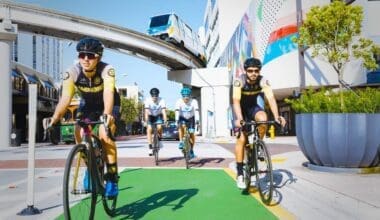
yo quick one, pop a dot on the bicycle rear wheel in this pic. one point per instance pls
(156, 148)
(264, 175)
(79, 200)
(186, 150)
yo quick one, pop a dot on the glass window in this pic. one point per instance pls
(159, 21)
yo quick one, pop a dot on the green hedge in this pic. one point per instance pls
(327, 101)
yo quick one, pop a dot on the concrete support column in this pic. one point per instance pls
(8, 33)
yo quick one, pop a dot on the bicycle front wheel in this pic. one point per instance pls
(186, 150)
(264, 175)
(156, 148)
(79, 200)
(248, 167)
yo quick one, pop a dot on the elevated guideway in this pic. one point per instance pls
(15, 17)
(66, 26)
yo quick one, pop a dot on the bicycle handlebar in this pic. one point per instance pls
(83, 123)
(256, 123)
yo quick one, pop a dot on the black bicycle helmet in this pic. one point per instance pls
(252, 62)
(90, 45)
(154, 92)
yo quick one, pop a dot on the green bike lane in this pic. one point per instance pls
(185, 194)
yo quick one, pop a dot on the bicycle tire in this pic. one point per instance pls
(77, 204)
(155, 147)
(186, 150)
(264, 174)
(100, 169)
(249, 167)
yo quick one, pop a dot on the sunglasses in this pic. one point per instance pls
(253, 70)
(185, 96)
(89, 56)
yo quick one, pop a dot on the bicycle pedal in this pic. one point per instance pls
(110, 197)
(80, 191)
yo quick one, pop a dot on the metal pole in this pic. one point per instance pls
(301, 58)
(8, 34)
(30, 209)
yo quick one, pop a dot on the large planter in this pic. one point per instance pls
(346, 140)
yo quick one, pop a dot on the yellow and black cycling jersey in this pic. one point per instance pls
(251, 95)
(90, 89)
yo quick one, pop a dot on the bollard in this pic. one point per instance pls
(272, 132)
(30, 209)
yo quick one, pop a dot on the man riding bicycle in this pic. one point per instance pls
(94, 81)
(249, 92)
(187, 113)
(155, 113)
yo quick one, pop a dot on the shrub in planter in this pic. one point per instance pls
(327, 101)
(331, 136)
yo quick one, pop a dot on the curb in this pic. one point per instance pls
(367, 170)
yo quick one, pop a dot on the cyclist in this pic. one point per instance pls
(94, 81)
(187, 112)
(155, 113)
(249, 91)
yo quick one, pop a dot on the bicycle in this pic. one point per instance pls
(187, 145)
(258, 162)
(156, 143)
(86, 158)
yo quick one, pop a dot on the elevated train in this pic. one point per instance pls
(171, 28)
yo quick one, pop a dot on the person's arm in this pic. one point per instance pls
(108, 92)
(60, 110)
(196, 111)
(272, 102)
(164, 115)
(236, 96)
(177, 107)
(68, 89)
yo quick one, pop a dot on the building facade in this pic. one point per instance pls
(41, 53)
(35, 59)
(236, 30)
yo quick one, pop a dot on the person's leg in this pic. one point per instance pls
(180, 133)
(191, 124)
(159, 123)
(149, 134)
(111, 160)
(239, 157)
(261, 116)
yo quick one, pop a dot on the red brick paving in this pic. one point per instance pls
(149, 162)
(123, 162)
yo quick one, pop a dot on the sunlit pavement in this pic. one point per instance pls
(302, 192)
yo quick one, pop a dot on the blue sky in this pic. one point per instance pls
(132, 14)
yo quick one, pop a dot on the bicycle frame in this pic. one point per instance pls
(91, 151)
(156, 142)
(257, 155)
(187, 144)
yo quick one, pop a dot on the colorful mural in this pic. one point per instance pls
(265, 32)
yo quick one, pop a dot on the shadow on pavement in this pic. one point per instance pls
(281, 177)
(203, 161)
(137, 209)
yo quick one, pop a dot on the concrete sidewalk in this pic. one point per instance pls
(311, 194)
(304, 192)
